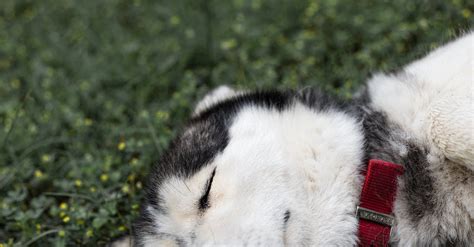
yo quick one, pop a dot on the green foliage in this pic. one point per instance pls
(91, 92)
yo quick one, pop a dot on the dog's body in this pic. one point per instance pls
(283, 168)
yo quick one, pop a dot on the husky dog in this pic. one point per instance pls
(284, 168)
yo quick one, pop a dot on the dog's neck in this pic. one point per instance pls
(430, 187)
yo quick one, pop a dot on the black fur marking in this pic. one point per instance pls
(455, 242)
(384, 140)
(418, 185)
(320, 101)
(378, 137)
(180, 242)
(228, 108)
(204, 200)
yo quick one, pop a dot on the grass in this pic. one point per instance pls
(91, 92)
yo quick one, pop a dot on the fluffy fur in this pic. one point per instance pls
(282, 168)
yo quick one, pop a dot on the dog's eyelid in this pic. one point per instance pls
(204, 200)
(286, 216)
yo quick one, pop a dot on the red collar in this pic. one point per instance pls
(376, 203)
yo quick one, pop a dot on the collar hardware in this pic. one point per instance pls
(377, 200)
(380, 218)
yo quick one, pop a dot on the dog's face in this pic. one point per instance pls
(262, 169)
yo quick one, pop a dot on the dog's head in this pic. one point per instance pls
(267, 169)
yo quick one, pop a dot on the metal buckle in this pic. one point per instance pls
(367, 214)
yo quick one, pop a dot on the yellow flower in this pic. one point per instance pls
(228, 44)
(92, 189)
(15, 83)
(78, 183)
(62, 233)
(162, 115)
(63, 206)
(2, 245)
(125, 188)
(466, 13)
(87, 122)
(122, 228)
(135, 206)
(38, 173)
(66, 219)
(45, 158)
(89, 233)
(175, 20)
(38, 227)
(134, 161)
(121, 145)
(104, 177)
(62, 214)
(139, 185)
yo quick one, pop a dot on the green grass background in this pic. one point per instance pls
(92, 91)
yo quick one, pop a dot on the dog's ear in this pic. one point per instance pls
(217, 95)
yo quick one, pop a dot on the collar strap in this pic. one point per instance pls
(376, 203)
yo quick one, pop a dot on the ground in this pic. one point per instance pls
(91, 92)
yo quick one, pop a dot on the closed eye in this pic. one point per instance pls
(204, 200)
(286, 217)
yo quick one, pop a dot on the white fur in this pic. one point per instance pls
(219, 94)
(434, 100)
(289, 158)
